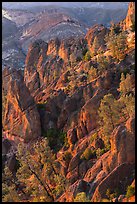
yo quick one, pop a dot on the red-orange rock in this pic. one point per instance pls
(130, 18)
(21, 116)
(114, 180)
(98, 31)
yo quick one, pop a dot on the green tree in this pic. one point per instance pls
(133, 26)
(55, 137)
(102, 63)
(127, 84)
(92, 73)
(87, 56)
(130, 191)
(9, 185)
(111, 194)
(128, 105)
(38, 172)
(95, 45)
(115, 29)
(109, 113)
(88, 154)
(127, 95)
(117, 44)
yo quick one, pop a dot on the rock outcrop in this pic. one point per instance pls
(120, 178)
(34, 59)
(98, 32)
(130, 18)
(106, 172)
(21, 116)
(122, 154)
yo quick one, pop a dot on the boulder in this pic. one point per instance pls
(6, 145)
(120, 177)
(73, 175)
(88, 115)
(130, 124)
(36, 52)
(120, 198)
(74, 162)
(72, 136)
(82, 186)
(82, 169)
(123, 143)
(11, 163)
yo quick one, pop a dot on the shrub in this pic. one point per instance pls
(116, 29)
(113, 194)
(56, 138)
(102, 63)
(100, 152)
(92, 73)
(88, 154)
(130, 191)
(117, 44)
(127, 83)
(107, 146)
(133, 26)
(81, 197)
(87, 56)
(67, 156)
(93, 137)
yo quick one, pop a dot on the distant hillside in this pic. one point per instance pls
(23, 23)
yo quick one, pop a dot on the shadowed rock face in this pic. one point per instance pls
(8, 28)
(21, 116)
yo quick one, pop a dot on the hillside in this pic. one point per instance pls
(23, 24)
(68, 119)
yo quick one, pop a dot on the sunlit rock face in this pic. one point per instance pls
(21, 116)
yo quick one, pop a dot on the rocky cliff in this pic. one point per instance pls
(21, 116)
(61, 90)
(130, 18)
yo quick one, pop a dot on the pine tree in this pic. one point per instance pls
(102, 63)
(117, 43)
(127, 84)
(128, 102)
(9, 187)
(87, 56)
(127, 95)
(38, 172)
(109, 114)
(95, 45)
